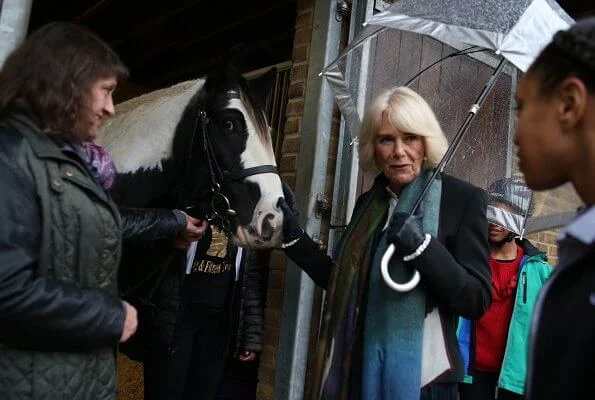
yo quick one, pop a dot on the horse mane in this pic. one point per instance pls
(257, 115)
(147, 122)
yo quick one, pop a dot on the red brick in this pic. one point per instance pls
(304, 5)
(292, 125)
(276, 279)
(278, 259)
(302, 36)
(291, 145)
(289, 178)
(264, 391)
(304, 19)
(296, 89)
(288, 163)
(295, 108)
(299, 72)
(300, 53)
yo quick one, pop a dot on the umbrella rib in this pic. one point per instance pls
(455, 54)
(462, 130)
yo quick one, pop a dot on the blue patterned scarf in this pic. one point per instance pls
(394, 321)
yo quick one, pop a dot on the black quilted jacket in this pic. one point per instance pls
(60, 239)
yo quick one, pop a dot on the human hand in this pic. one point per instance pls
(291, 216)
(247, 356)
(195, 230)
(130, 322)
(405, 232)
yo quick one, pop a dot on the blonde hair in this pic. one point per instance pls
(408, 112)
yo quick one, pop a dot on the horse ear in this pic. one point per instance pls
(225, 73)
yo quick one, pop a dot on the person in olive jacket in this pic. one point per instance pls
(60, 232)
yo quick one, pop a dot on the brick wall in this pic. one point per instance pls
(288, 169)
(549, 202)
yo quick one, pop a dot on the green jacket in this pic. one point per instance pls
(61, 241)
(533, 272)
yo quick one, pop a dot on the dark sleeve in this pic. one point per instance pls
(35, 312)
(459, 274)
(151, 223)
(253, 324)
(308, 255)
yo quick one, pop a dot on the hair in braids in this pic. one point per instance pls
(571, 53)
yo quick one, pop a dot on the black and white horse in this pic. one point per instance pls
(203, 146)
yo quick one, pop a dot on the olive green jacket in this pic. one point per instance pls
(60, 237)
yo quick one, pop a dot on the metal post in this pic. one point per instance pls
(14, 22)
(292, 355)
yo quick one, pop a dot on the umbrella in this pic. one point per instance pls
(514, 31)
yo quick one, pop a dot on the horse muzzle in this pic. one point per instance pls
(264, 231)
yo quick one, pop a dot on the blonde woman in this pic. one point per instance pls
(378, 343)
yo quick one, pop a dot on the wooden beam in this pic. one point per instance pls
(92, 10)
(257, 54)
(211, 25)
(144, 26)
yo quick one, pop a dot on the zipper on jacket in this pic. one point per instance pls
(524, 281)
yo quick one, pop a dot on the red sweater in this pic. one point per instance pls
(491, 330)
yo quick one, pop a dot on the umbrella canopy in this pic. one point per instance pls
(517, 29)
(510, 203)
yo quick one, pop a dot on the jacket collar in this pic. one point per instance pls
(582, 228)
(42, 145)
(529, 249)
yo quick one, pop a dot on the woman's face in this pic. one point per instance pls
(101, 105)
(544, 150)
(399, 155)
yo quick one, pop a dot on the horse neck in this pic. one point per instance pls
(147, 188)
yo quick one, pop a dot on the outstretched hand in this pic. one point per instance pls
(291, 216)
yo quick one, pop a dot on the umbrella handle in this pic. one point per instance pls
(399, 287)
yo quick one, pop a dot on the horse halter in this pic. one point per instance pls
(220, 207)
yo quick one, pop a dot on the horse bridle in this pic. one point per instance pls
(218, 177)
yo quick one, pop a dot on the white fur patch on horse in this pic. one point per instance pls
(141, 134)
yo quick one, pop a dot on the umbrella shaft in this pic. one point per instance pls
(462, 130)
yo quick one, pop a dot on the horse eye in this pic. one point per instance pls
(228, 125)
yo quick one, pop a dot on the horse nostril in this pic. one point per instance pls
(267, 227)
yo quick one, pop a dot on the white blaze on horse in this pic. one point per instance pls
(203, 146)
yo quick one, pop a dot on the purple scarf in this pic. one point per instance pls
(100, 163)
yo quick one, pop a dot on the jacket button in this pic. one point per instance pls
(57, 183)
(69, 173)
(172, 351)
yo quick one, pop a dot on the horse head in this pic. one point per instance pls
(204, 147)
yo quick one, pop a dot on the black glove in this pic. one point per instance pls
(406, 232)
(291, 216)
